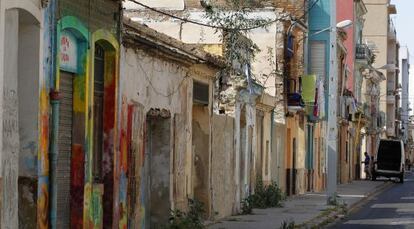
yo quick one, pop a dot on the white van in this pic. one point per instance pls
(389, 160)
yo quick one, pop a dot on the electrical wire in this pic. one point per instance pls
(309, 9)
(223, 27)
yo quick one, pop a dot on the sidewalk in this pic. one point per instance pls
(302, 209)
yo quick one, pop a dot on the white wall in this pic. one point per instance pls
(162, 4)
(151, 81)
(10, 10)
(404, 81)
(156, 82)
(10, 140)
(28, 93)
(190, 33)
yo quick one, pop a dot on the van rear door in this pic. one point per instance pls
(389, 156)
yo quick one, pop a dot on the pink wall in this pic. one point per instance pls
(345, 11)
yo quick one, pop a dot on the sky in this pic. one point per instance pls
(404, 22)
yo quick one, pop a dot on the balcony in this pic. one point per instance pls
(295, 102)
(363, 54)
(359, 117)
(294, 97)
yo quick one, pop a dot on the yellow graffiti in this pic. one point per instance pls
(87, 205)
(79, 94)
(43, 207)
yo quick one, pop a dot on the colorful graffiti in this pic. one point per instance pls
(110, 207)
(43, 205)
(77, 183)
(43, 153)
(43, 141)
(123, 149)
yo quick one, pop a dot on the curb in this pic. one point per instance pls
(338, 213)
(369, 197)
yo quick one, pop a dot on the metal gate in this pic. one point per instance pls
(65, 150)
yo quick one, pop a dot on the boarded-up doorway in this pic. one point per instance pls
(201, 143)
(158, 168)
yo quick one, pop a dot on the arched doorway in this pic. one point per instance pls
(22, 67)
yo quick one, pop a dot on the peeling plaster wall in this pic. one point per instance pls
(158, 158)
(10, 146)
(28, 105)
(278, 167)
(301, 159)
(223, 162)
(21, 56)
(155, 82)
(249, 151)
(271, 43)
(267, 148)
(201, 152)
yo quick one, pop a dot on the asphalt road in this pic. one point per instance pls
(394, 208)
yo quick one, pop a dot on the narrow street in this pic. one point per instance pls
(194, 114)
(394, 208)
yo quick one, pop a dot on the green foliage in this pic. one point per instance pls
(193, 219)
(268, 196)
(334, 200)
(288, 225)
(234, 23)
(247, 206)
(265, 196)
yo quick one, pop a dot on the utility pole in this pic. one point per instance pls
(332, 131)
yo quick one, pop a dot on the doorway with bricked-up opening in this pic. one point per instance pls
(157, 168)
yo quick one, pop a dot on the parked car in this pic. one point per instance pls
(389, 160)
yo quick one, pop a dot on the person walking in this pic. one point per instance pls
(367, 167)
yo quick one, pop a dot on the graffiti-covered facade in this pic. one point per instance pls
(49, 129)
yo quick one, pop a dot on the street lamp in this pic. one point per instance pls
(389, 67)
(332, 129)
(332, 134)
(340, 25)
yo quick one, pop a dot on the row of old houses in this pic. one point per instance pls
(114, 113)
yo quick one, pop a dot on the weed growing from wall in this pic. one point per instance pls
(265, 196)
(193, 219)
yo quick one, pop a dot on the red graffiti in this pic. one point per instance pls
(77, 184)
(131, 110)
(110, 179)
(64, 43)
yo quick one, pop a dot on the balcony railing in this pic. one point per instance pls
(294, 96)
(363, 53)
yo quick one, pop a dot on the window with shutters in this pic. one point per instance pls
(98, 112)
(318, 58)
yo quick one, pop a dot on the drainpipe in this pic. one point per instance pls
(53, 155)
(54, 102)
(272, 118)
